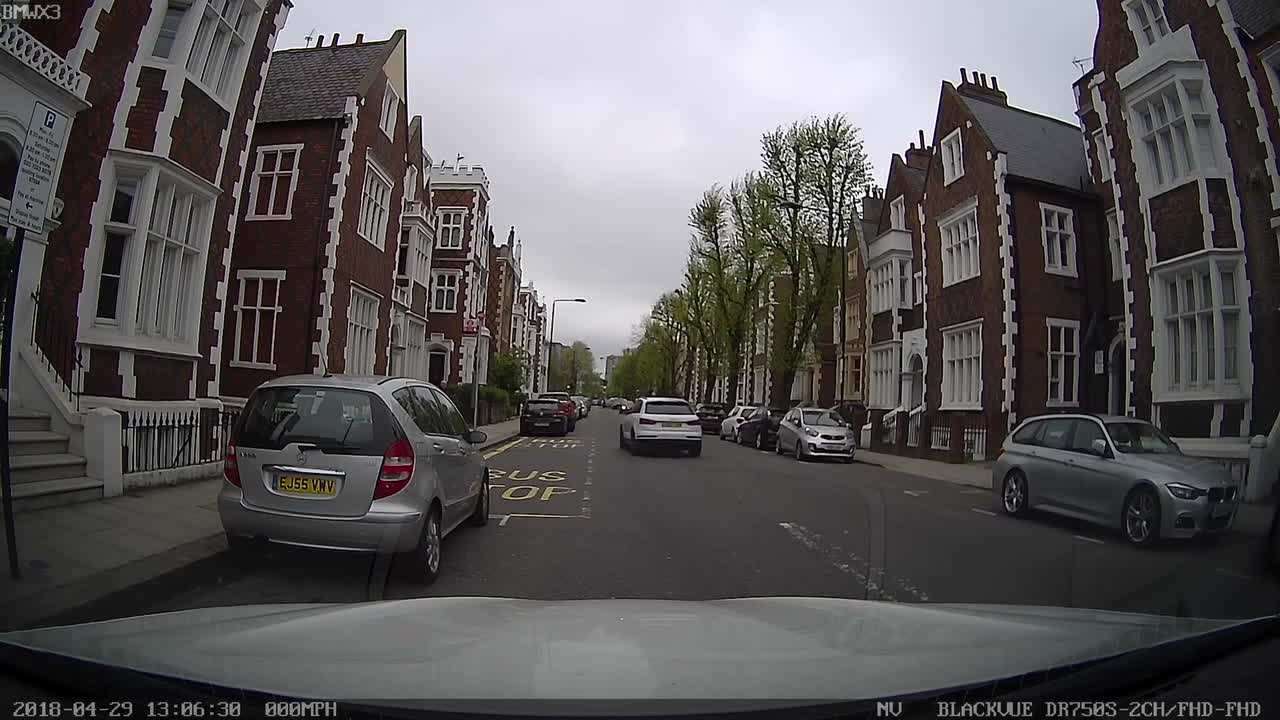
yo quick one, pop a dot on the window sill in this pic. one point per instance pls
(946, 284)
(260, 218)
(946, 182)
(1230, 391)
(1061, 272)
(111, 337)
(448, 247)
(444, 312)
(251, 365)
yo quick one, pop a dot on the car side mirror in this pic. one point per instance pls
(475, 437)
(1099, 447)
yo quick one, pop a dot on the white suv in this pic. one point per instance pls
(660, 422)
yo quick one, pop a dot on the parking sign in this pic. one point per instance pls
(40, 155)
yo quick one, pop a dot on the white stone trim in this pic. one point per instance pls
(128, 379)
(924, 294)
(129, 89)
(1255, 99)
(1008, 290)
(87, 40)
(320, 349)
(1126, 270)
(220, 290)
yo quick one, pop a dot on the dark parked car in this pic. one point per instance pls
(761, 429)
(544, 416)
(711, 415)
(854, 413)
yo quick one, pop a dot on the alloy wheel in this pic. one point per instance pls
(1014, 495)
(431, 544)
(1141, 516)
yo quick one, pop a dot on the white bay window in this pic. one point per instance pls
(885, 376)
(962, 367)
(1177, 135)
(1201, 306)
(415, 359)
(150, 274)
(221, 41)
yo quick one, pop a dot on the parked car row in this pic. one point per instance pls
(804, 432)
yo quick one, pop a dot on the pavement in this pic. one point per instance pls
(75, 555)
(578, 518)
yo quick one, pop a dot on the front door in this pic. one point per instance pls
(436, 367)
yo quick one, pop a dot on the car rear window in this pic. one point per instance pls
(543, 404)
(663, 407)
(336, 420)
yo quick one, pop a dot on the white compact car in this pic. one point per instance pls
(659, 422)
(736, 416)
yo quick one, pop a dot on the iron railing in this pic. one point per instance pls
(913, 428)
(975, 436)
(889, 428)
(940, 434)
(166, 439)
(53, 337)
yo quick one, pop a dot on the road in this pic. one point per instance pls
(580, 518)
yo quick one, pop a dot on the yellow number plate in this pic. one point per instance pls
(307, 485)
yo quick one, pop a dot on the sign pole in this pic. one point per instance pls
(6, 472)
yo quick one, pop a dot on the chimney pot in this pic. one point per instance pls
(320, 41)
(982, 79)
(922, 145)
(359, 38)
(334, 42)
(995, 85)
(964, 75)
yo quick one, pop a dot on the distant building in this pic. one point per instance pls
(610, 363)
(459, 273)
(504, 286)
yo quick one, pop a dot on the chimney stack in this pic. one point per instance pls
(982, 79)
(964, 76)
(994, 84)
(980, 89)
(320, 41)
(334, 43)
(922, 145)
(359, 38)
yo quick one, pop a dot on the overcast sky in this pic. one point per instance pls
(600, 122)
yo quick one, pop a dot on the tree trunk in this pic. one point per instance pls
(788, 379)
(735, 369)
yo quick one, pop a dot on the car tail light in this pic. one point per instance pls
(231, 467)
(647, 421)
(397, 469)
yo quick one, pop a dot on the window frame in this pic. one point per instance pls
(898, 213)
(229, 66)
(952, 156)
(364, 225)
(126, 330)
(886, 375)
(1066, 264)
(178, 33)
(436, 274)
(1197, 152)
(1063, 326)
(354, 346)
(950, 399)
(1174, 356)
(951, 247)
(255, 184)
(390, 111)
(442, 227)
(240, 308)
(1136, 10)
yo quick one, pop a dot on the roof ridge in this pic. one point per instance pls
(374, 43)
(1024, 111)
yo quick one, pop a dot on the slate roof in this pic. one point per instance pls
(1038, 147)
(314, 83)
(1255, 16)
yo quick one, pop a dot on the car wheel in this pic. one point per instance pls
(1141, 517)
(696, 450)
(631, 444)
(622, 439)
(425, 558)
(1014, 493)
(480, 516)
(799, 448)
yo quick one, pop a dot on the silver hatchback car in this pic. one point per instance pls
(1115, 471)
(813, 433)
(369, 464)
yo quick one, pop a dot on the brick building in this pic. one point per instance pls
(896, 344)
(459, 273)
(852, 359)
(1013, 269)
(130, 278)
(1182, 115)
(504, 285)
(316, 281)
(528, 333)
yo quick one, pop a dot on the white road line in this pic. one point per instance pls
(981, 511)
(1236, 574)
(502, 519)
(1095, 541)
(854, 565)
(586, 496)
(588, 479)
(915, 493)
(495, 485)
(974, 491)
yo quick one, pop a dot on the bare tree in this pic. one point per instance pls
(813, 170)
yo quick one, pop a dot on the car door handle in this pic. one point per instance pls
(437, 447)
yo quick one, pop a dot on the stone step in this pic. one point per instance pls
(51, 493)
(47, 466)
(36, 442)
(24, 420)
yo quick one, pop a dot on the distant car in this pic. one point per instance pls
(852, 412)
(711, 415)
(761, 428)
(545, 415)
(735, 417)
(353, 463)
(570, 405)
(1114, 471)
(813, 433)
(659, 422)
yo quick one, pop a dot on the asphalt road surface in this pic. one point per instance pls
(577, 517)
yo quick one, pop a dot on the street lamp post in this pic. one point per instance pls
(551, 336)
